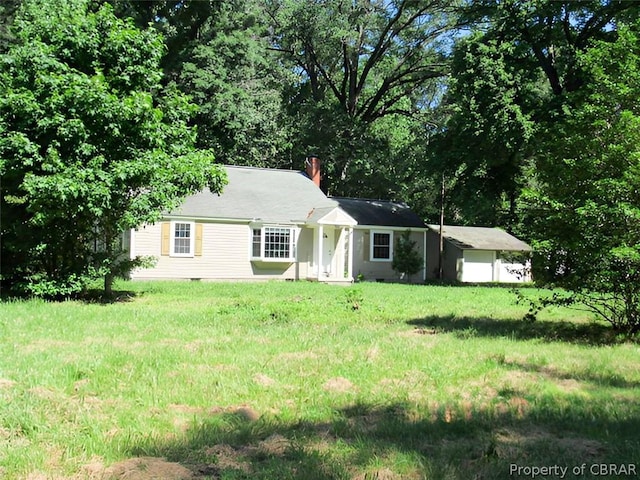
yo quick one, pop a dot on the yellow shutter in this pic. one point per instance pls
(165, 238)
(366, 245)
(198, 246)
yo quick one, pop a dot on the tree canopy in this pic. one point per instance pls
(541, 140)
(91, 144)
(368, 75)
(587, 226)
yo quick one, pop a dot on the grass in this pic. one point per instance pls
(309, 381)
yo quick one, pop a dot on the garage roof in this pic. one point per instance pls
(481, 238)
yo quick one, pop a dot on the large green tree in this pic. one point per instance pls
(217, 52)
(370, 72)
(584, 213)
(509, 79)
(91, 144)
(234, 78)
(483, 148)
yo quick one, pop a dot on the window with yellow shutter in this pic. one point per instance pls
(182, 239)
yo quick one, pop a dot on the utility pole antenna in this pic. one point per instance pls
(441, 234)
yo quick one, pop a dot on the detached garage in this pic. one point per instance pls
(478, 255)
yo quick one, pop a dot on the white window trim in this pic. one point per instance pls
(293, 237)
(172, 239)
(371, 245)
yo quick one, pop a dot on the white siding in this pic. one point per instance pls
(304, 252)
(510, 272)
(225, 256)
(380, 270)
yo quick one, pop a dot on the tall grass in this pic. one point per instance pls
(303, 380)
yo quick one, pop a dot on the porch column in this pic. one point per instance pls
(320, 247)
(350, 254)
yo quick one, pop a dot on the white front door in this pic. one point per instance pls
(328, 251)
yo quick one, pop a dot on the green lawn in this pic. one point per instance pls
(309, 381)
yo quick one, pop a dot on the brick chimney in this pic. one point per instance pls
(312, 168)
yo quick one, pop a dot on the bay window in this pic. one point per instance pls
(272, 243)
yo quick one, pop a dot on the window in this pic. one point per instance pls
(256, 243)
(381, 246)
(277, 242)
(182, 236)
(272, 244)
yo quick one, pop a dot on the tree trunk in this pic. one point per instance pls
(108, 285)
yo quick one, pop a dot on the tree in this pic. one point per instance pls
(509, 81)
(370, 72)
(7, 12)
(91, 145)
(233, 77)
(553, 33)
(217, 52)
(483, 148)
(406, 259)
(585, 212)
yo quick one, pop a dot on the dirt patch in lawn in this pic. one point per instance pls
(246, 412)
(228, 458)
(381, 474)
(223, 457)
(94, 469)
(139, 468)
(6, 383)
(513, 443)
(339, 385)
(275, 445)
(264, 380)
(147, 468)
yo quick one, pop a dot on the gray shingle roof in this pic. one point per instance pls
(268, 195)
(481, 238)
(380, 212)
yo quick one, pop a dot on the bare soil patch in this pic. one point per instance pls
(264, 380)
(6, 383)
(381, 474)
(246, 412)
(147, 468)
(276, 445)
(228, 458)
(512, 443)
(339, 385)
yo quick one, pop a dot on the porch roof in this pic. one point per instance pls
(380, 212)
(331, 216)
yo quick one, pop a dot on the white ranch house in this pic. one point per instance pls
(276, 224)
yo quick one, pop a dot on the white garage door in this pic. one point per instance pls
(478, 265)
